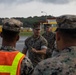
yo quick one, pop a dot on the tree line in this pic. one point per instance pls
(28, 22)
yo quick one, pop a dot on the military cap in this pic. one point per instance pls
(12, 24)
(66, 22)
(36, 25)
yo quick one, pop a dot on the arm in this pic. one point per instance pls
(42, 51)
(43, 47)
(44, 44)
(26, 67)
(24, 51)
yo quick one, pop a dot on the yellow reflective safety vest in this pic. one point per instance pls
(10, 62)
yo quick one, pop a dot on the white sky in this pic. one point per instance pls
(26, 8)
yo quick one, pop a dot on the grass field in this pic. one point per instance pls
(27, 33)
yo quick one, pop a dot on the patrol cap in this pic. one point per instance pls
(36, 25)
(12, 25)
(66, 22)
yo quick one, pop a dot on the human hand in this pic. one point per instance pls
(34, 50)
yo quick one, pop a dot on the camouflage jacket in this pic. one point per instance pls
(26, 65)
(38, 44)
(50, 37)
(63, 64)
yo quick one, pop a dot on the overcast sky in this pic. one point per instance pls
(26, 8)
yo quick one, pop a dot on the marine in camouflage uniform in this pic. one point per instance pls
(36, 45)
(10, 30)
(50, 37)
(64, 63)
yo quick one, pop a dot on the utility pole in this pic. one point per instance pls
(45, 15)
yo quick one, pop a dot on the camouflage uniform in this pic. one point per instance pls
(36, 43)
(14, 26)
(64, 63)
(50, 37)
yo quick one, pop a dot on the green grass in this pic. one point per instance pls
(27, 33)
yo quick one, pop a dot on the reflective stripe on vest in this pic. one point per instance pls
(13, 68)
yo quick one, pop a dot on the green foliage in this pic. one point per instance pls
(28, 22)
